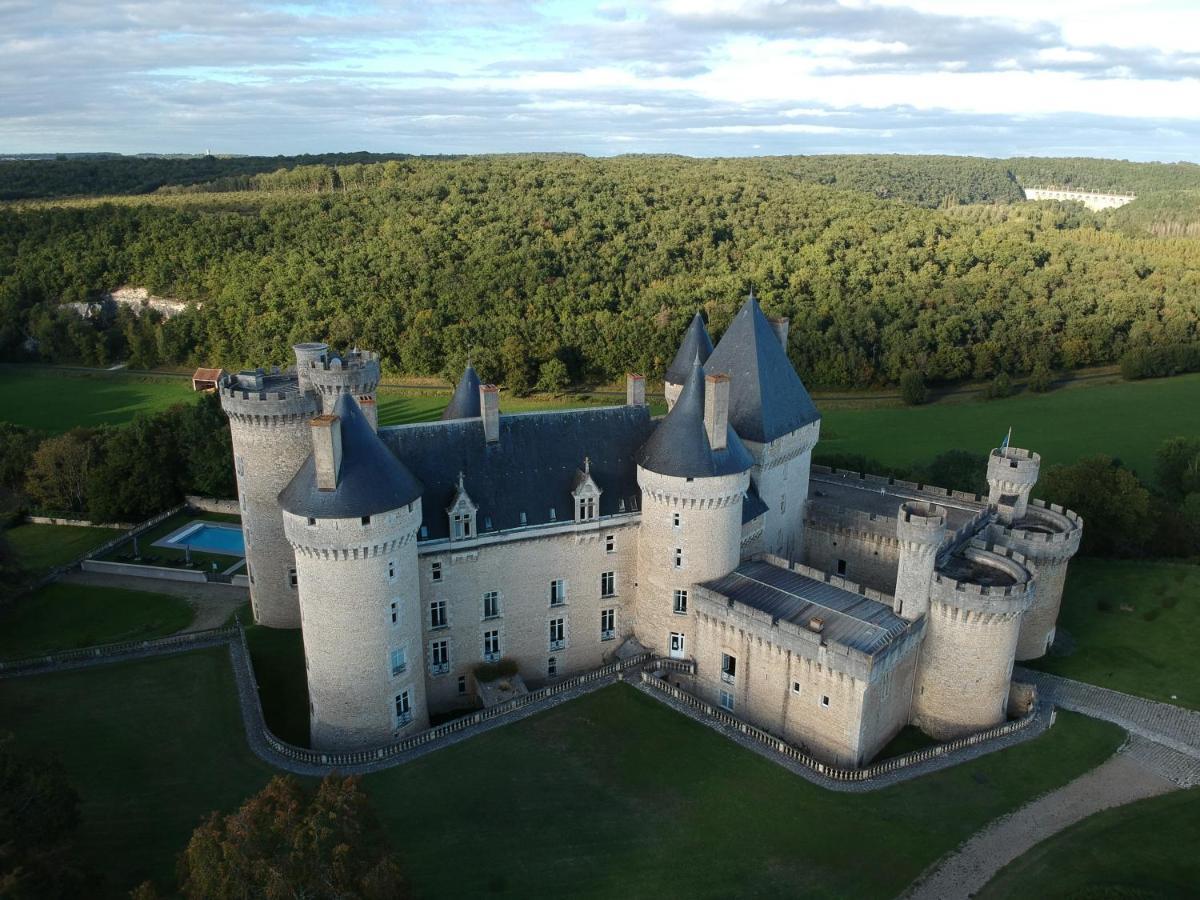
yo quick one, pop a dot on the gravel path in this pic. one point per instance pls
(213, 604)
(1124, 778)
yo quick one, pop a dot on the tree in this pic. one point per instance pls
(206, 446)
(960, 470)
(61, 471)
(912, 388)
(39, 813)
(17, 446)
(1177, 466)
(1041, 379)
(285, 842)
(139, 473)
(1115, 506)
(1001, 386)
(552, 376)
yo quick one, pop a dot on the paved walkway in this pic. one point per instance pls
(212, 603)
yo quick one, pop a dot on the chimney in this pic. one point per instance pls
(635, 390)
(369, 409)
(716, 409)
(489, 409)
(780, 326)
(327, 450)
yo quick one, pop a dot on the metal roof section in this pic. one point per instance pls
(465, 402)
(696, 344)
(846, 618)
(526, 477)
(370, 479)
(766, 397)
(679, 446)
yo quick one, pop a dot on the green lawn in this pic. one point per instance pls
(169, 556)
(57, 400)
(277, 655)
(1145, 850)
(602, 794)
(64, 616)
(1148, 649)
(39, 548)
(1128, 420)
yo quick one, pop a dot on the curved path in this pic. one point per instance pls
(1162, 754)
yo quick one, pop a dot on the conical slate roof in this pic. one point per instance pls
(465, 402)
(371, 480)
(679, 445)
(696, 344)
(766, 397)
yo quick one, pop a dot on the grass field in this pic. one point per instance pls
(1137, 851)
(1148, 649)
(607, 792)
(58, 400)
(1126, 419)
(39, 548)
(65, 616)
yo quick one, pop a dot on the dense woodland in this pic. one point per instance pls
(564, 268)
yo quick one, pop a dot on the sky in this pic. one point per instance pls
(696, 77)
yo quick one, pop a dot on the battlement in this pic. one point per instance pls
(259, 397)
(964, 582)
(1044, 533)
(920, 523)
(929, 491)
(353, 538)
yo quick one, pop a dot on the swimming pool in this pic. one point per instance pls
(208, 537)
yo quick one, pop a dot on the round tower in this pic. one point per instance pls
(1011, 475)
(351, 514)
(975, 607)
(268, 420)
(693, 473)
(1048, 537)
(355, 373)
(920, 529)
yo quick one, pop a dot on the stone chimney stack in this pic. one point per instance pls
(780, 326)
(716, 410)
(635, 390)
(327, 450)
(489, 409)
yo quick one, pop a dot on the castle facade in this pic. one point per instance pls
(829, 608)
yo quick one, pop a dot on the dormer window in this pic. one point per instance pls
(462, 514)
(586, 494)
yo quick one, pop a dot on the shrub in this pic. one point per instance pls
(999, 387)
(505, 668)
(1041, 379)
(1158, 362)
(912, 388)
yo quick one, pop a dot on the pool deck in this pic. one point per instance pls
(173, 540)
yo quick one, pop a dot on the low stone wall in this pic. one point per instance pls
(134, 570)
(214, 505)
(79, 523)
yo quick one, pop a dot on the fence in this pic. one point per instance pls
(173, 642)
(835, 773)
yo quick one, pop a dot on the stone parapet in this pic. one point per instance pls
(1003, 601)
(930, 492)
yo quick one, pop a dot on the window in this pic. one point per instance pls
(586, 509)
(240, 464)
(462, 684)
(366, 520)
(552, 667)
(391, 568)
(437, 614)
(795, 687)
(491, 646)
(558, 633)
(610, 543)
(841, 568)
(680, 606)
(461, 525)
(293, 578)
(491, 604)
(399, 662)
(726, 700)
(439, 657)
(728, 668)
(395, 613)
(824, 700)
(437, 572)
(608, 584)
(677, 645)
(312, 522)
(558, 592)
(524, 519)
(403, 710)
(679, 557)
(675, 520)
(608, 623)
(782, 504)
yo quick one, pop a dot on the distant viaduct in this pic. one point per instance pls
(1090, 199)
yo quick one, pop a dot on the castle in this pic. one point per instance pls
(830, 608)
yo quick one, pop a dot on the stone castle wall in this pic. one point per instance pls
(780, 475)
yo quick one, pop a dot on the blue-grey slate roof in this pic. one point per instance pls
(766, 397)
(370, 480)
(680, 447)
(849, 619)
(465, 402)
(753, 506)
(531, 469)
(696, 344)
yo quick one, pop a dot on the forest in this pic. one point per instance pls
(549, 269)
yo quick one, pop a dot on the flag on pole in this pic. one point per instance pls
(1007, 440)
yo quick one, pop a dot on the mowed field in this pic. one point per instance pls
(1125, 419)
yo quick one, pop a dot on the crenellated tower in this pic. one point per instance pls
(1011, 475)
(331, 375)
(920, 530)
(351, 515)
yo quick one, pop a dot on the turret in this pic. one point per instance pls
(696, 345)
(465, 402)
(331, 375)
(693, 472)
(1011, 475)
(920, 530)
(268, 421)
(351, 515)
